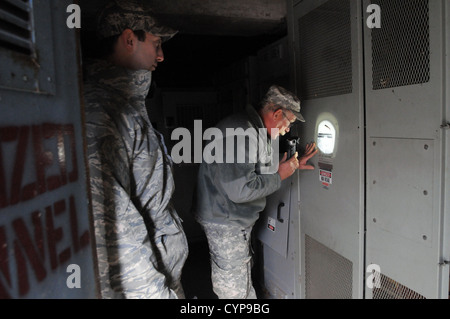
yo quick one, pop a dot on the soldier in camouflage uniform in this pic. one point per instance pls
(230, 196)
(141, 245)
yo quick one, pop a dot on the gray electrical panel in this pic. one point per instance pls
(407, 167)
(331, 201)
(374, 83)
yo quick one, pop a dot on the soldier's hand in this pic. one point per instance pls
(288, 167)
(309, 153)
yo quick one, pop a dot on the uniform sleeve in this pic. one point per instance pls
(127, 257)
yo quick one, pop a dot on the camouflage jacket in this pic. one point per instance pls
(131, 183)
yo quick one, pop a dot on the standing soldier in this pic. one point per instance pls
(141, 245)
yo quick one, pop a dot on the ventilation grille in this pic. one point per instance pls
(326, 51)
(328, 274)
(390, 289)
(16, 26)
(401, 47)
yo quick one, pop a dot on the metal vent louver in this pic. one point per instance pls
(328, 275)
(401, 47)
(16, 31)
(326, 51)
(390, 289)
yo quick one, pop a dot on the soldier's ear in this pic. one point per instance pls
(277, 114)
(128, 40)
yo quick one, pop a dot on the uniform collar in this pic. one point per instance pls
(129, 83)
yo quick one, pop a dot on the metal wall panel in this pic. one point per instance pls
(391, 180)
(327, 39)
(281, 251)
(273, 225)
(45, 224)
(445, 271)
(405, 109)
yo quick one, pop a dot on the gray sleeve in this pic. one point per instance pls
(240, 175)
(242, 184)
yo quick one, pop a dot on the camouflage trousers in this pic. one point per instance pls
(231, 260)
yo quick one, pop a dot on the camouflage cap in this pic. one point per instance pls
(278, 95)
(119, 15)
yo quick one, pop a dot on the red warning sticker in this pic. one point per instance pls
(326, 177)
(271, 224)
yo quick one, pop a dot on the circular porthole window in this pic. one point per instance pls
(327, 135)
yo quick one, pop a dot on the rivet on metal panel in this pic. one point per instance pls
(425, 147)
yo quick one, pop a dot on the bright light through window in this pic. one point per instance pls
(326, 137)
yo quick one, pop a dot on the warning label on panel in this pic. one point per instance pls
(271, 224)
(326, 177)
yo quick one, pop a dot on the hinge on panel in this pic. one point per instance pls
(445, 126)
(444, 263)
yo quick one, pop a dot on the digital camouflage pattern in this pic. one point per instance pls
(119, 15)
(141, 246)
(278, 95)
(231, 260)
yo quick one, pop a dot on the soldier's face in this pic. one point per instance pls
(149, 53)
(288, 119)
(279, 123)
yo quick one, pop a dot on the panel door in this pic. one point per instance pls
(328, 48)
(405, 165)
(45, 227)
